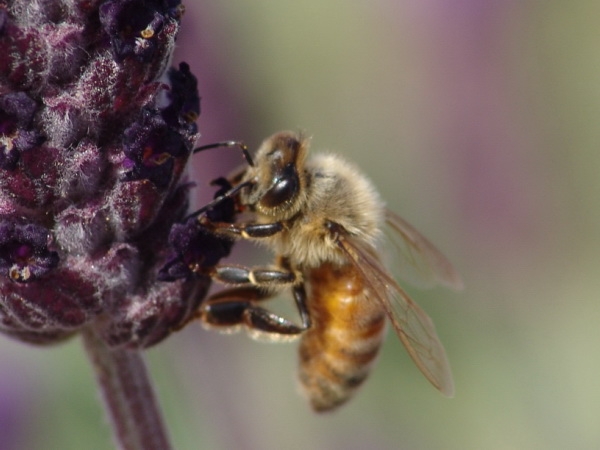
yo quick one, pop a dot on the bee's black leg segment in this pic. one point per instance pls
(253, 276)
(236, 306)
(262, 320)
(229, 194)
(300, 297)
(244, 230)
(223, 314)
(228, 308)
(231, 274)
(259, 230)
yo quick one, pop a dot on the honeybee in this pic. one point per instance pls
(323, 219)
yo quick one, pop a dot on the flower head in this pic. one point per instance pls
(95, 134)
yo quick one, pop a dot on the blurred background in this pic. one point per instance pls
(479, 123)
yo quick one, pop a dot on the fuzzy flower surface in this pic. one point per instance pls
(96, 130)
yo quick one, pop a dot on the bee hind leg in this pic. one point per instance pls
(237, 306)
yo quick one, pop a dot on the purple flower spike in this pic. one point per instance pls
(151, 147)
(16, 113)
(95, 134)
(185, 101)
(196, 249)
(24, 253)
(134, 26)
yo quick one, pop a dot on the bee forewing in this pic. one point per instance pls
(417, 332)
(418, 261)
(412, 325)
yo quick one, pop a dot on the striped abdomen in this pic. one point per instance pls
(346, 333)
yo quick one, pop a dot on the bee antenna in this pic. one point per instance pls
(230, 193)
(238, 144)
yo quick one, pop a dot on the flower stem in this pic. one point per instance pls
(128, 396)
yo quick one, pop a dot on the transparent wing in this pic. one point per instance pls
(412, 325)
(415, 259)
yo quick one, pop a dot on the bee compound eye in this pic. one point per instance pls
(284, 190)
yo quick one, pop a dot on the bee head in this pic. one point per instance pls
(277, 176)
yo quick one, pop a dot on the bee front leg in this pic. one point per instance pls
(231, 308)
(243, 230)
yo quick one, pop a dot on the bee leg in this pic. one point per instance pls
(261, 277)
(237, 306)
(243, 230)
(299, 293)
